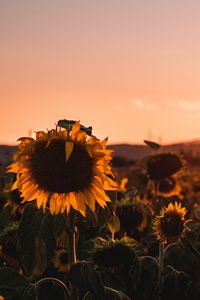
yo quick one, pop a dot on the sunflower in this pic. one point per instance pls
(61, 260)
(163, 165)
(64, 168)
(135, 217)
(169, 225)
(116, 253)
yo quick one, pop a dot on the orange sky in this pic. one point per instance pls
(131, 69)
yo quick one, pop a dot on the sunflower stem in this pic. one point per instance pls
(161, 263)
(72, 247)
(72, 238)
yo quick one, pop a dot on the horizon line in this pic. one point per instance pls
(129, 143)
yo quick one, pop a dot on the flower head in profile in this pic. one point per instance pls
(169, 225)
(163, 165)
(63, 168)
(134, 216)
(116, 253)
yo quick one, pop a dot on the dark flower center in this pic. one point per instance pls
(166, 185)
(52, 172)
(172, 226)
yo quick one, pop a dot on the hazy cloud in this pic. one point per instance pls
(143, 103)
(184, 105)
(189, 105)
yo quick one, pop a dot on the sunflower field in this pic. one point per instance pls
(75, 225)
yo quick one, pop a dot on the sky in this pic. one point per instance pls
(130, 69)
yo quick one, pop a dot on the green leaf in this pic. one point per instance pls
(33, 225)
(85, 278)
(11, 282)
(5, 217)
(115, 295)
(152, 145)
(178, 285)
(113, 225)
(144, 278)
(28, 293)
(110, 294)
(103, 215)
(40, 256)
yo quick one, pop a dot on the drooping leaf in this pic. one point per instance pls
(178, 285)
(5, 217)
(11, 282)
(144, 276)
(36, 224)
(40, 256)
(110, 294)
(84, 276)
(115, 295)
(152, 145)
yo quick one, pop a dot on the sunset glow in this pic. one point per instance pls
(130, 69)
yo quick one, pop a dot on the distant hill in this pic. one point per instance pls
(6, 153)
(127, 151)
(137, 152)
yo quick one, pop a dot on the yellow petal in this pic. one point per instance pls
(104, 141)
(100, 193)
(68, 205)
(89, 150)
(92, 140)
(45, 199)
(73, 200)
(63, 205)
(15, 185)
(40, 198)
(28, 185)
(14, 167)
(75, 129)
(100, 196)
(81, 136)
(89, 199)
(52, 204)
(58, 198)
(32, 196)
(76, 200)
(109, 184)
(81, 203)
(97, 182)
(68, 149)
